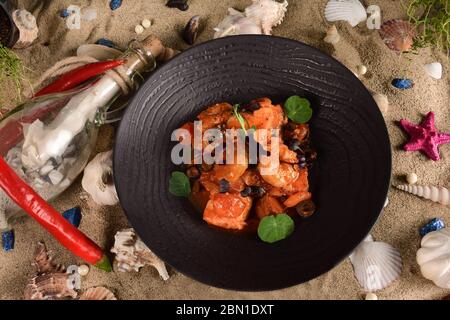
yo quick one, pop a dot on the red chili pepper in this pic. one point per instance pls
(69, 236)
(79, 75)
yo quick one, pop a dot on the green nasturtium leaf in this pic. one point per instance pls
(298, 109)
(179, 184)
(275, 228)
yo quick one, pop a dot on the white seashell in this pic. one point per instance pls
(98, 52)
(371, 296)
(28, 30)
(97, 293)
(411, 178)
(362, 70)
(146, 23)
(382, 102)
(236, 23)
(83, 270)
(434, 70)
(133, 254)
(332, 36)
(139, 29)
(267, 13)
(351, 11)
(376, 264)
(436, 194)
(434, 257)
(98, 181)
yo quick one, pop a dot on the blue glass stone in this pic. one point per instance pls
(433, 225)
(64, 13)
(73, 216)
(8, 240)
(115, 4)
(402, 84)
(106, 43)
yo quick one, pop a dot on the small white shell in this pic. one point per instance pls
(376, 264)
(236, 23)
(434, 70)
(382, 102)
(98, 52)
(436, 194)
(133, 254)
(139, 29)
(97, 293)
(28, 30)
(371, 296)
(97, 180)
(332, 36)
(362, 69)
(267, 13)
(434, 257)
(351, 11)
(411, 178)
(146, 23)
(83, 270)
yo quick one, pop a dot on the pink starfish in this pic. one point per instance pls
(424, 137)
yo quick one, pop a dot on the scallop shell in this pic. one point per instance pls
(28, 30)
(398, 35)
(98, 52)
(268, 13)
(97, 293)
(52, 286)
(436, 194)
(133, 254)
(351, 11)
(376, 264)
(434, 257)
(434, 70)
(236, 23)
(332, 36)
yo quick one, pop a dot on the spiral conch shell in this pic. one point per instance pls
(268, 13)
(236, 23)
(133, 254)
(436, 194)
(28, 30)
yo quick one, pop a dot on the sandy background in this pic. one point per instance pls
(304, 21)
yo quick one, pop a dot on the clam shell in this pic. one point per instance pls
(351, 11)
(398, 35)
(28, 30)
(97, 293)
(98, 52)
(436, 194)
(268, 13)
(376, 264)
(434, 70)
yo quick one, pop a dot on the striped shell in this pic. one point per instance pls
(51, 286)
(398, 35)
(351, 11)
(376, 264)
(97, 293)
(436, 194)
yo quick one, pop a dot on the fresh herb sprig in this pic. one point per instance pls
(179, 184)
(239, 117)
(298, 109)
(275, 228)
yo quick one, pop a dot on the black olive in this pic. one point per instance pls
(246, 192)
(306, 208)
(224, 186)
(193, 172)
(258, 192)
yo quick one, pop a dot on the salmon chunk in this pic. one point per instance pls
(227, 210)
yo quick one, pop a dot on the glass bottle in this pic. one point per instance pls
(48, 140)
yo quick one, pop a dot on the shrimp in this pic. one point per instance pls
(296, 198)
(215, 115)
(267, 205)
(284, 174)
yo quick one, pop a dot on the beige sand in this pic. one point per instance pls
(399, 222)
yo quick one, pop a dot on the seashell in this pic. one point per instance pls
(97, 51)
(376, 264)
(411, 178)
(97, 293)
(362, 69)
(28, 30)
(432, 225)
(98, 180)
(402, 84)
(133, 254)
(73, 216)
(43, 262)
(267, 13)
(382, 102)
(179, 4)
(434, 70)
(146, 23)
(139, 29)
(351, 11)
(51, 286)
(434, 257)
(236, 23)
(8, 240)
(83, 270)
(115, 4)
(332, 36)
(190, 31)
(398, 35)
(436, 194)
(371, 296)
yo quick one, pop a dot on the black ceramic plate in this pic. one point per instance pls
(349, 181)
